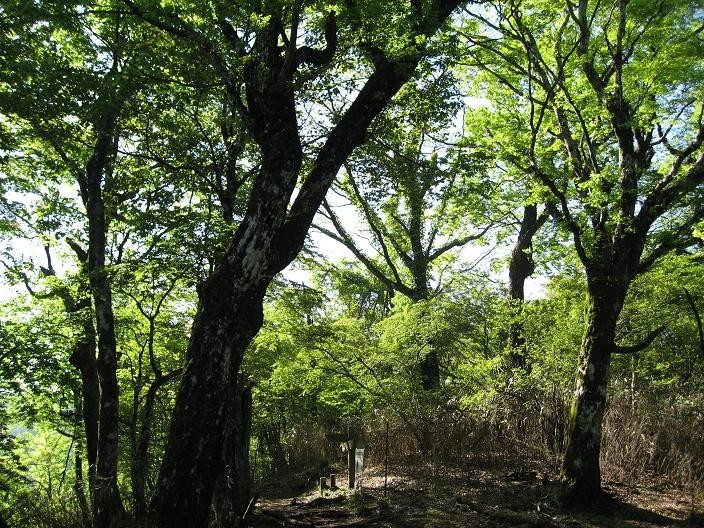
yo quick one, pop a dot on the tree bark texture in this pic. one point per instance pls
(83, 359)
(580, 468)
(233, 489)
(206, 396)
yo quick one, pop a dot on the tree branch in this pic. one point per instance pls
(379, 232)
(697, 318)
(632, 349)
(670, 188)
(346, 240)
(315, 57)
(81, 253)
(458, 242)
(348, 134)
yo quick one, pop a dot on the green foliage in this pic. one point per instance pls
(473, 138)
(674, 363)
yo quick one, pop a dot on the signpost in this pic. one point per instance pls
(358, 465)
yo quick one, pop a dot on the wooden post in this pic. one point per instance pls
(333, 483)
(323, 485)
(352, 443)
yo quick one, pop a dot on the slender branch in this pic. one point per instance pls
(458, 242)
(377, 230)
(179, 28)
(345, 239)
(678, 241)
(670, 187)
(632, 349)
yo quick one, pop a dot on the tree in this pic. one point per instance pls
(45, 115)
(37, 222)
(149, 305)
(90, 168)
(79, 66)
(609, 96)
(419, 198)
(262, 79)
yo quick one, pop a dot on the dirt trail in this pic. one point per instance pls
(472, 499)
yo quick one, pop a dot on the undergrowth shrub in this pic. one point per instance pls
(660, 439)
(35, 509)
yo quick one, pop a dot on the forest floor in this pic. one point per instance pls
(476, 498)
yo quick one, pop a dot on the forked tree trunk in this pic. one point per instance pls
(581, 463)
(520, 268)
(229, 316)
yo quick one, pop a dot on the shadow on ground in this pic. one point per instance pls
(476, 498)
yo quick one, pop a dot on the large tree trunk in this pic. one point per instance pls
(229, 316)
(107, 504)
(269, 237)
(206, 397)
(233, 489)
(580, 468)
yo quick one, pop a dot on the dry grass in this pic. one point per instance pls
(652, 460)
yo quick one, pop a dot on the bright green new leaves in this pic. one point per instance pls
(597, 102)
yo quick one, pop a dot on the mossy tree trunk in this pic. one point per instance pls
(581, 469)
